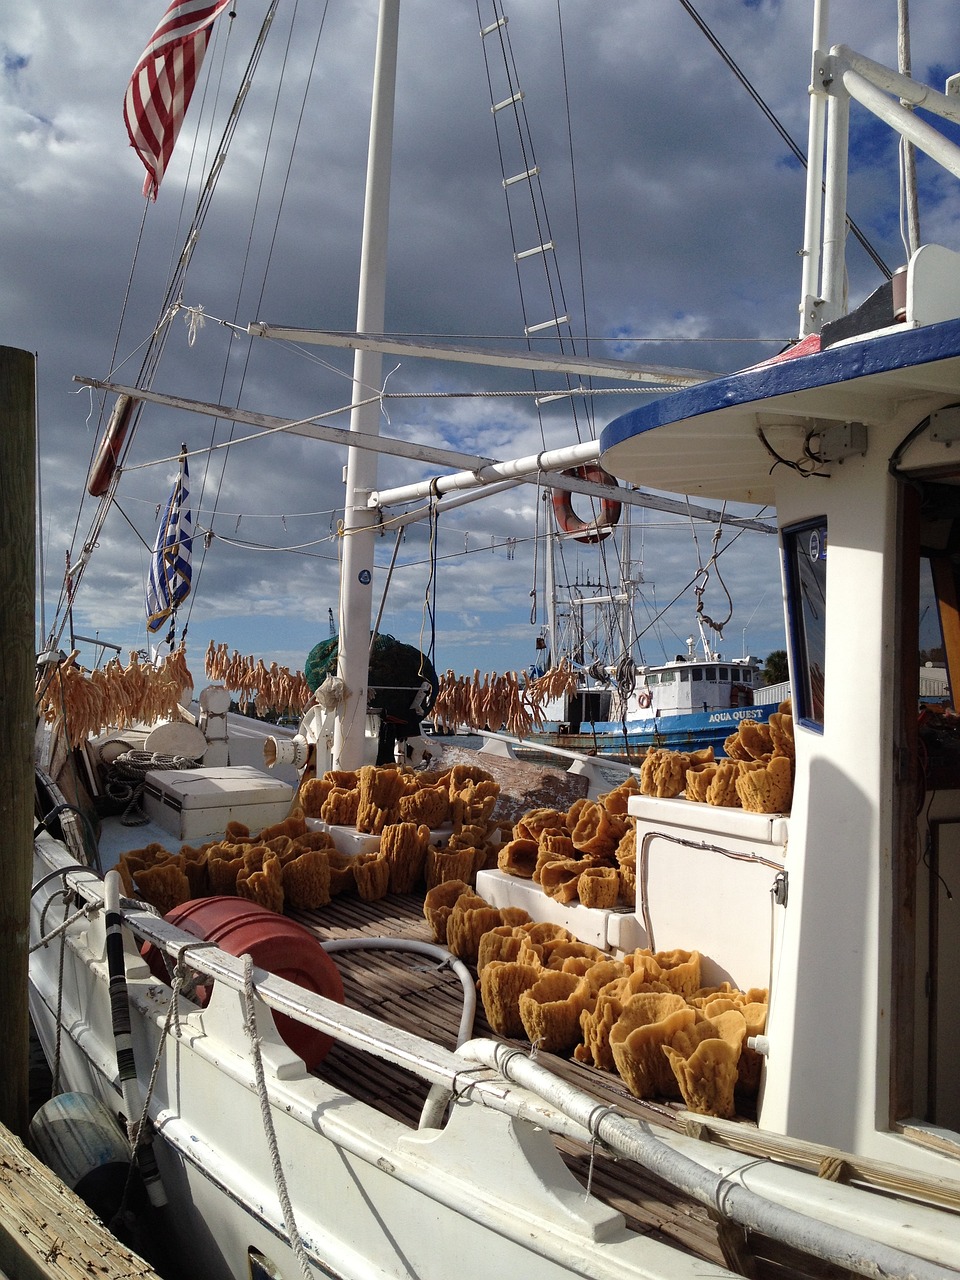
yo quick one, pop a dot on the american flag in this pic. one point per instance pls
(171, 568)
(163, 81)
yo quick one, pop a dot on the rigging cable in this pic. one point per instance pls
(247, 257)
(169, 307)
(781, 130)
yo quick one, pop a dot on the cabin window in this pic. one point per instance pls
(723, 674)
(668, 677)
(805, 563)
(653, 678)
(697, 674)
(684, 676)
(710, 673)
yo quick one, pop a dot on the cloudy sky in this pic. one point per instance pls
(676, 211)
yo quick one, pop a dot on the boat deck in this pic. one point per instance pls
(409, 991)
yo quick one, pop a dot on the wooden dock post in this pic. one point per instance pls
(17, 718)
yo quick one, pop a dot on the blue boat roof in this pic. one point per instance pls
(706, 440)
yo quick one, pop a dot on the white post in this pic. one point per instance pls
(550, 580)
(356, 570)
(834, 282)
(810, 282)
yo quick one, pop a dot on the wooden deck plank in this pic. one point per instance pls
(408, 991)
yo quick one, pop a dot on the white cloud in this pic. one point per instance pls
(690, 216)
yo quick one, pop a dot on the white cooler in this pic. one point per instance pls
(191, 803)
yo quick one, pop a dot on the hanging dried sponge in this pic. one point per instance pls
(502, 983)
(647, 1022)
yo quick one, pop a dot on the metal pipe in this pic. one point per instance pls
(813, 209)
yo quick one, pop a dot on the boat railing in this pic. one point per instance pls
(504, 1079)
(837, 77)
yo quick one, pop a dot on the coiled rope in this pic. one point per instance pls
(127, 774)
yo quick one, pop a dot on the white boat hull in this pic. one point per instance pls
(486, 1195)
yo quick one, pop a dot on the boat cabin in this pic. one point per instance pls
(855, 443)
(689, 684)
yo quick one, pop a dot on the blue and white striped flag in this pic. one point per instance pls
(170, 568)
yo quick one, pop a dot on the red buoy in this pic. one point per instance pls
(275, 943)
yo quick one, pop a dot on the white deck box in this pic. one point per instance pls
(609, 928)
(191, 803)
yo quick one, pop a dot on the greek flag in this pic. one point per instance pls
(170, 568)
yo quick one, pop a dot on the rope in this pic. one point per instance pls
(128, 771)
(250, 1026)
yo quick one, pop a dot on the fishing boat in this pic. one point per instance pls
(302, 1089)
(693, 701)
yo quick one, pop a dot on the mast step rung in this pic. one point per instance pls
(494, 26)
(547, 324)
(557, 395)
(547, 247)
(507, 102)
(522, 177)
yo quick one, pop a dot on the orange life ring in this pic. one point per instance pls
(644, 699)
(108, 454)
(567, 519)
